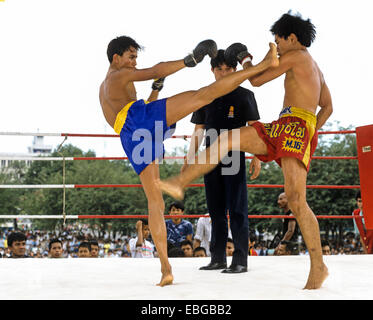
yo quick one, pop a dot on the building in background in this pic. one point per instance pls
(38, 148)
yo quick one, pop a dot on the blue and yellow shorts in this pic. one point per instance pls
(142, 128)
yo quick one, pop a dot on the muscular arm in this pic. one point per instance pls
(291, 228)
(326, 106)
(160, 70)
(286, 63)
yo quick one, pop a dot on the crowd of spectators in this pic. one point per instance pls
(38, 243)
(43, 244)
(184, 240)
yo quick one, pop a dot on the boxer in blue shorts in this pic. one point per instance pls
(143, 126)
(142, 129)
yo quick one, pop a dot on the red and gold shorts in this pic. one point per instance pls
(292, 135)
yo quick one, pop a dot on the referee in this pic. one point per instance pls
(226, 189)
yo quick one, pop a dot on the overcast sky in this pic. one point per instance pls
(53, 58)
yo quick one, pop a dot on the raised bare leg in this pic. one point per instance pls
(295, 176)
(156, 219)
(179, 106)
(244, 139)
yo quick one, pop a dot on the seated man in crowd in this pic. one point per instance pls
(229, 248)
(199, 252)
(55, 248)
(94, 249)
(84, 250)
(325, 247)
(177, 228)
(17, 245)
(287, 248)
(187, 248)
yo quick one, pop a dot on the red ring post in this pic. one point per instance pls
(364, 141)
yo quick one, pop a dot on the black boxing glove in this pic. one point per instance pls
(158, 84)
(237, 52)
(207, 47)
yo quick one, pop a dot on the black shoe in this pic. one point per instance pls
(235, 268)
(214, 266)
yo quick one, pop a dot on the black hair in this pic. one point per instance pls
(120, 45)
(325, 243)
(93, 242)
(175, 252)
(186, 242)
(358, 195)
(144, 222)
(85, 244)
(230, 240)
(252, 238)
(177, 205)
(54, 241)
(15, 236)
(220, 60)
(292, 247)
(199, 249)
(288, 23)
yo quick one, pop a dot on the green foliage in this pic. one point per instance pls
(133, 201)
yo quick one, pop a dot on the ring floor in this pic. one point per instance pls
(268, 278)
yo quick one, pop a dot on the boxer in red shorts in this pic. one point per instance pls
(292, 135)
(305, 91)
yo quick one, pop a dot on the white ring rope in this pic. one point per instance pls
(36, 186)
(38, 216)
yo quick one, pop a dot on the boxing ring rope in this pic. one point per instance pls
(197, 185)
(22, 158)
(142, 216)
(121, 216)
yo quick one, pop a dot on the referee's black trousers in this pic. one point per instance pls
(223, 193)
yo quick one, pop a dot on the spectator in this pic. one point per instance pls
(203, 234)
(290, 229)
(187, 248)
(286, 248)
(177, 228)
(139, 246)
(199, 252)
(229, 249)
(325, 246)
(252, 241)
(366, 236)
(17, 245)
(175, 252)
(84, 250)
(94, 249)
(55, 248)
(283, 249)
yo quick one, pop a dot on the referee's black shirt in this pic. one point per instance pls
(231, 111)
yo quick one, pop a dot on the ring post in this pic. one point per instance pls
(364, 140)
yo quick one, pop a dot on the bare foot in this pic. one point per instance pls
(316, 277)
(166, 280)
(167, 277)
(172, 188)
(271, 56)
